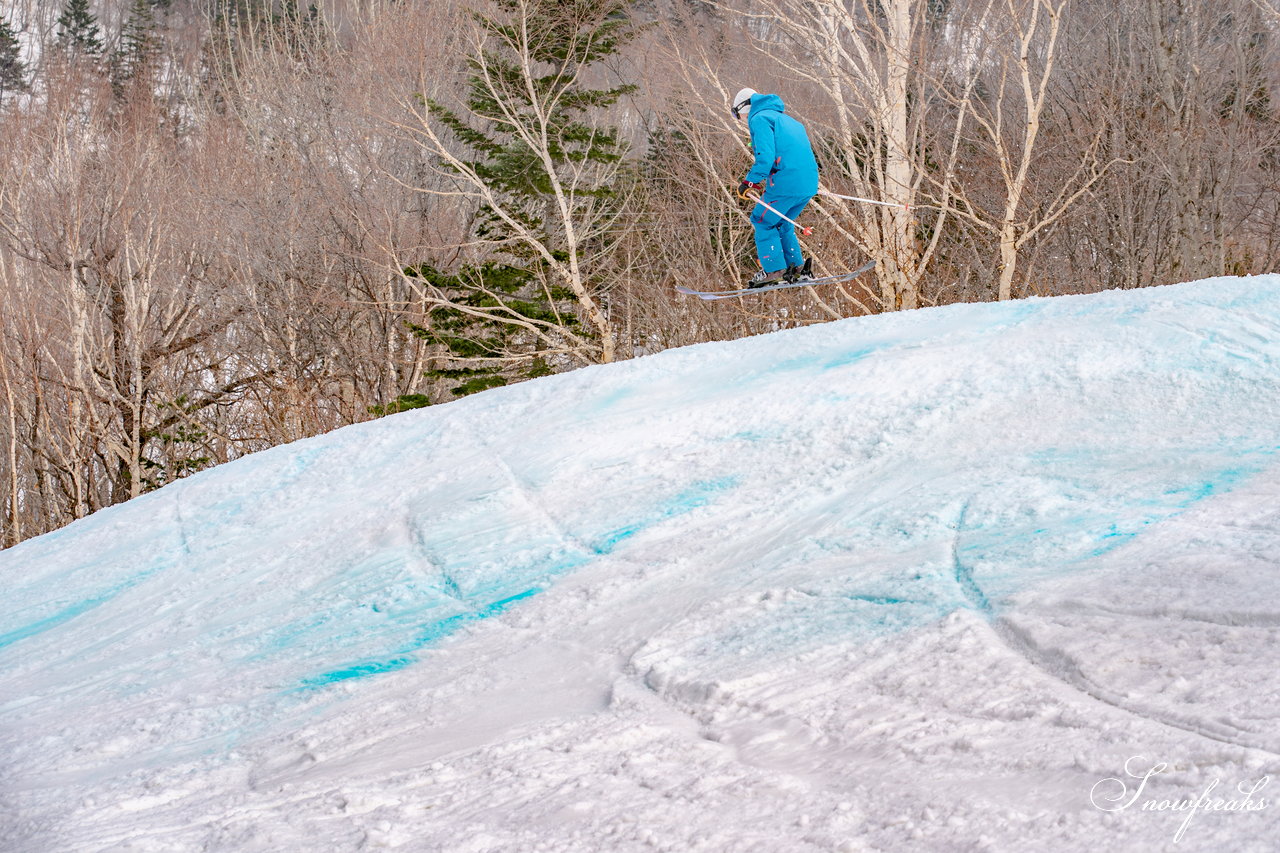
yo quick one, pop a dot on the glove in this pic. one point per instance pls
(749, 186)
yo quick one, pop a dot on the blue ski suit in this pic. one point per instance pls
(786, 166)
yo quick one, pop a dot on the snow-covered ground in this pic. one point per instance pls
(985, 577)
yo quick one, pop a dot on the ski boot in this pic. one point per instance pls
(761, 278)
(795, 274)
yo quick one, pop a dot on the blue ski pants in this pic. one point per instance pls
(776, 243)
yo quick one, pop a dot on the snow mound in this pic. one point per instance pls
(914, 581)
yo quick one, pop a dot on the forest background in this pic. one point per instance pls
(230, 224)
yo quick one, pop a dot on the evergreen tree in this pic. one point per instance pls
(78, 32)
(469, 331)
(139, 45)
(564, 37)
(13, 71)
(300, 30)
(550, 168)
(265, 22)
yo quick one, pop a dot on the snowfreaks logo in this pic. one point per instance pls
(1115, 795)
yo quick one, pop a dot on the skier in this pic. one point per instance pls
(784, 176)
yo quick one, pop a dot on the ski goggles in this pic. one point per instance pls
(737, 108)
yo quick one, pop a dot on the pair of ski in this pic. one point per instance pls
(782, 285)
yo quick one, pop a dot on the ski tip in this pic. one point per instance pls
(701, 294)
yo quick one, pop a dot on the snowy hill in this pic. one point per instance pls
(922, 581)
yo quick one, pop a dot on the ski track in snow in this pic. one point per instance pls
(909, 582)
(1061, 665)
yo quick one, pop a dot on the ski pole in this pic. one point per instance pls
(905, 207)
(806, 231)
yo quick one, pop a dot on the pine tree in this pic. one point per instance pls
(563, 37)
(301, 30)
(135, 58)
(13, 71)
(78, 32)
(465, 328)
(553, 176)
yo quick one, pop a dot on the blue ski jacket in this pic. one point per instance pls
(784, 158)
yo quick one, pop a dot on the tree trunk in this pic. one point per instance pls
(901, 255)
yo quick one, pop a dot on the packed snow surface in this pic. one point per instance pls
(984, 577)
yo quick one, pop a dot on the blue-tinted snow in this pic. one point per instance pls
(797, 542)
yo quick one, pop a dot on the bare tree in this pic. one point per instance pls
(1017, 71)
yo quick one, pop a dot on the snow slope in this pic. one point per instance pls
(922, 581)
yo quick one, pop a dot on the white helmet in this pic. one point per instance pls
(741, 101)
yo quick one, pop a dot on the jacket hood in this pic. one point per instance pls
(760, 103)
